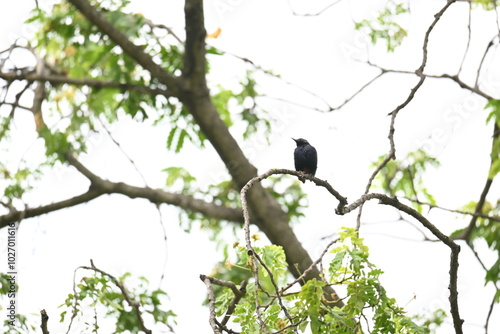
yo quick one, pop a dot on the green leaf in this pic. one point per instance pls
(494, 105)
(337, 262)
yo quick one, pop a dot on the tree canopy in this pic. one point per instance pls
(119, 128)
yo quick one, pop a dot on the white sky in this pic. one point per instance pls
(319, 54)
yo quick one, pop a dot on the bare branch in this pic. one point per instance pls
(211, 304)
(362, 88)
(469, 34)
(488, 47)
(153, 26)
(461, 212)
(319, 12)
(45, 319)
(15, 215)
(490, 311)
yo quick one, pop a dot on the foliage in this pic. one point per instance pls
(434, 321)
(74, 48)
(307, 308)
(486, 4)
(405, 177)
(486, 229)
(385, 26)
(23, 325)
(101, 290)
(17, 183)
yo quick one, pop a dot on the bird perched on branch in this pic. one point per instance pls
(306, 158)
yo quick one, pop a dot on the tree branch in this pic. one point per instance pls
(455, 249)
(211, 304)
(461, 212)
(311, 269)
(61, 79)
(482, 198)
(194, 57)
(15, 215)
(101, 187)
(45, 320)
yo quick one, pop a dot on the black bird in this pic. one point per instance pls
(306, 158)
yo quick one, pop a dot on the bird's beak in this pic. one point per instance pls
(294, 139)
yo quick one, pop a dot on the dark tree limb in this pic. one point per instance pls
(45, 320)
(15, 215)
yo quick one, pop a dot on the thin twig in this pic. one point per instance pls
(318, 260)
(490, 311)
(461, 212)
(469, 34)
(319, 12)
(251, 251)
(127, 156)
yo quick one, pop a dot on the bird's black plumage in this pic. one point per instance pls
(306, 158)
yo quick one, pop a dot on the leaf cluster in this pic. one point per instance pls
(385, 26)
(486, 229)
(101, 291)
(405, 177)
(16, 184)
(22, 324)
(308, 310)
